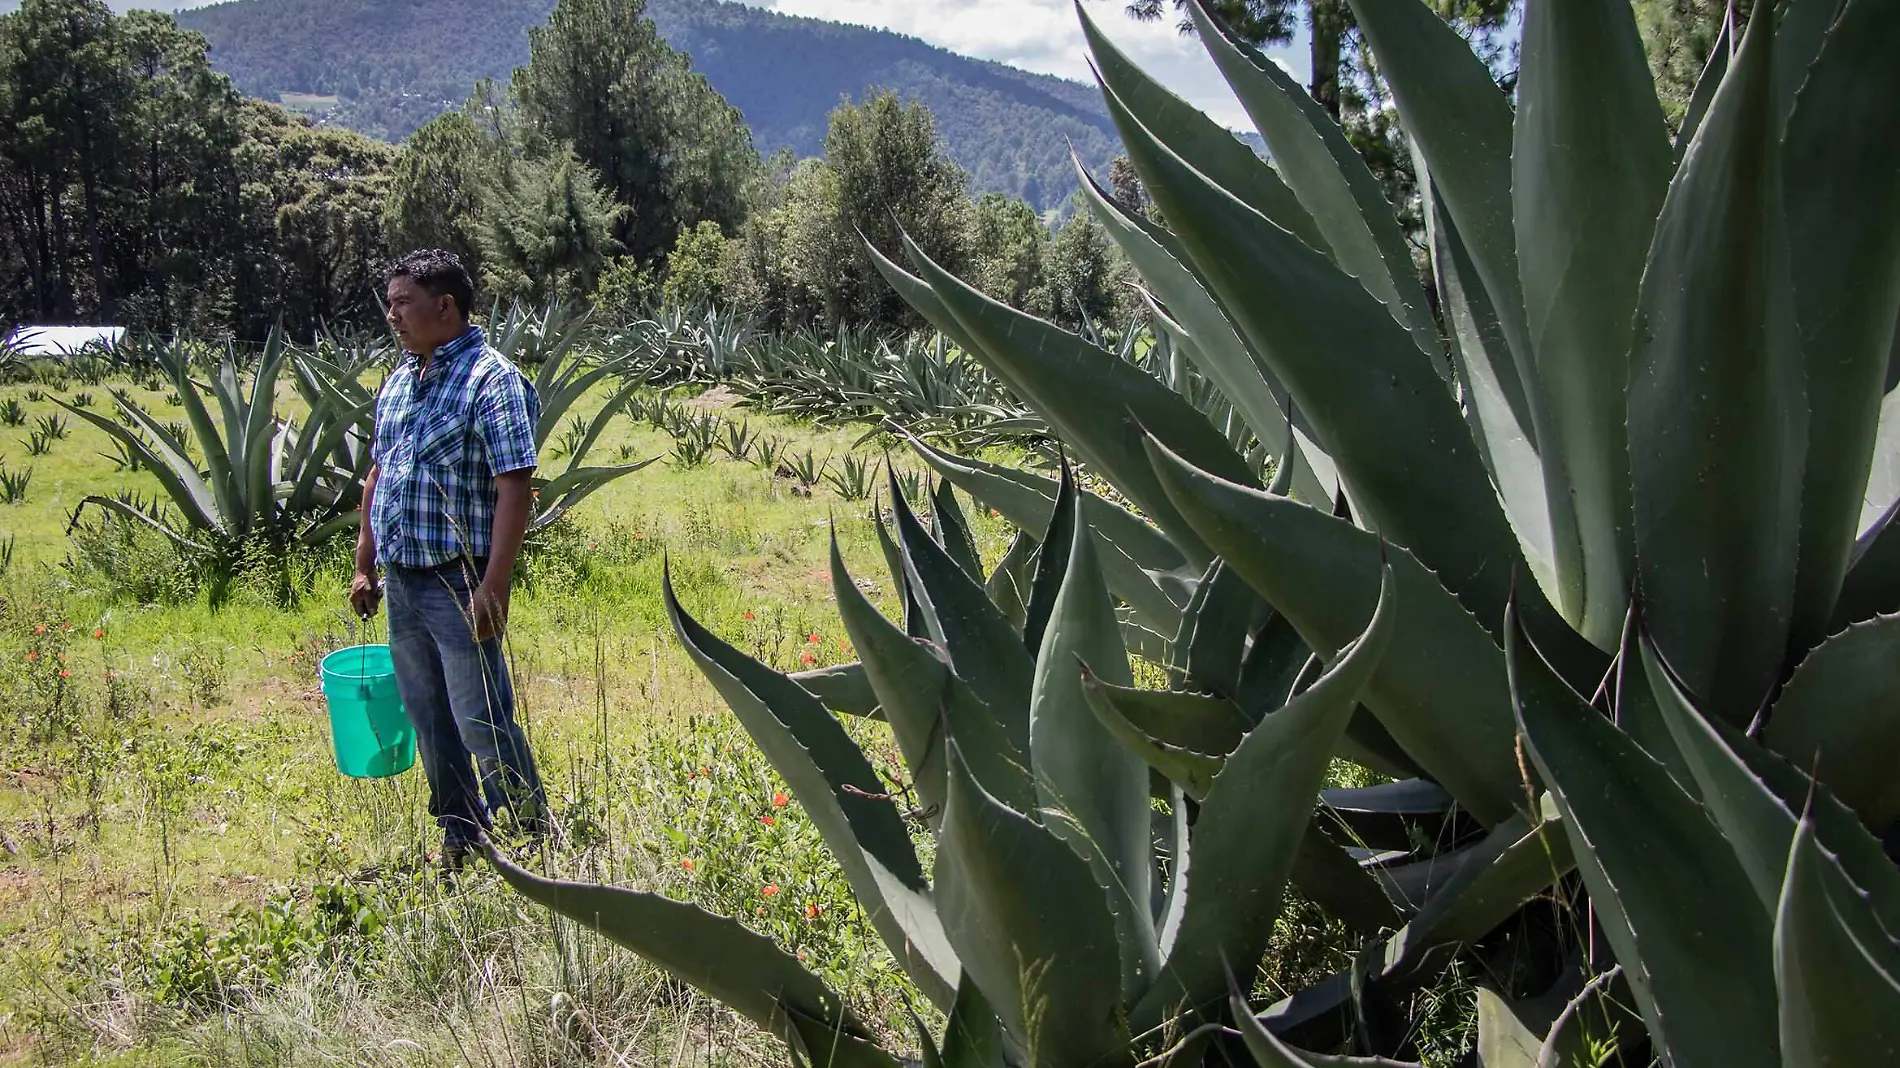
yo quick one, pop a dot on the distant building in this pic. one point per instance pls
(60, 342)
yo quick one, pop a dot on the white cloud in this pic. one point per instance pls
(1044, 36)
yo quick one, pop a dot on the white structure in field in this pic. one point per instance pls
(60, 342)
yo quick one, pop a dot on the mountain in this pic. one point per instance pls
(387, 66)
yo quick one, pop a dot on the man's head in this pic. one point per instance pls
(429, 293)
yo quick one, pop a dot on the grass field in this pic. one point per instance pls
(307, 102)
(185, 878)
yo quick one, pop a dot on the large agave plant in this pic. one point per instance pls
(556, 349)
(264, 479)
(1623, 525)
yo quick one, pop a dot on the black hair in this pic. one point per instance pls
(437, 271)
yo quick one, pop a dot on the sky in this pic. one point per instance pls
(1036, 35)
(1045, 36)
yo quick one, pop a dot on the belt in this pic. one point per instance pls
(475, 565)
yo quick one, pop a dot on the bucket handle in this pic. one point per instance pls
(362, 680)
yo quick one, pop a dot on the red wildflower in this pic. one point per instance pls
(770, 889)
(815, 637)
(39, 628)
(65, 674)
(32, 654)
(686, 864)
(779, 800)
(768, 821)
(749, 617)
(99, 632)
(807, 658)
(812, 911)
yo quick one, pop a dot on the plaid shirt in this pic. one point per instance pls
(441, 438)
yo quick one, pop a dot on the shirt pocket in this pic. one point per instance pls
(442, 440)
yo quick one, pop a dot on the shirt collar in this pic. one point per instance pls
(470, 340)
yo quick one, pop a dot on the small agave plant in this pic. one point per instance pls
(1594, 562)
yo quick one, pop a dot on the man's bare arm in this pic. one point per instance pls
(514, 496)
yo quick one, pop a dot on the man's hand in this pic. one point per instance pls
(488, 607)
(365, 593)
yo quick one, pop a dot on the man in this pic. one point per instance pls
(446, 506)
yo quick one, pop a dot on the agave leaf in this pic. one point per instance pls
(1511, 1032)
(741, 968)
(923, 701)
(1842, 165)
(1028, 499)
(1209, 646)
(575, 485)
(1190, 768)
(1883, 476)
(1392, 815)
(212, 443)
(1583, 219)
(1801, 29)
(1840, 994)
(1212, 725)
(1758, 808)
(1461, 123)
(1383, 416)
(113, 504)
(1043, 363)
(1839, 717)
(820, 1045)
(953, 531)
(894, 561)
(1481, 886)
(1496, 407)
(1270, 1052)
(1327, 174)
(981, 646)
(1133, 552)
(1080, 770)
(843, 688)
(1720, 53)
(838, 786)
(1052, 563)
(1717, 417)
(1009, 584)
(1217, 350)
(1440, 691)
(1250, 827)
(165, 458)
(1199, 140)
(1031, 926)
(1668, 891)
(1329, 877)
(971, 1038)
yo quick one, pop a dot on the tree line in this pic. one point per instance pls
(138, 187)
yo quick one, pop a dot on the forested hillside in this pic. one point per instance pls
(391, 65)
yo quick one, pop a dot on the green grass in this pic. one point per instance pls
(185, 879)
(307, 102)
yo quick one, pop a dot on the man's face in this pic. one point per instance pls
(422, 322)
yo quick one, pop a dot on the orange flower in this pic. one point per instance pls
(812, 911)
(768, 821)
(779, 800)
(770, 889)
(706, 772)
(801, 954)
(815, 637)
(32, 654)
(807, 658)
(39, 628)
(99, 632)
(65, 674)
(749, 617)
(686, 864)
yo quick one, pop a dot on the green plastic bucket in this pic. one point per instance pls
(372, 737)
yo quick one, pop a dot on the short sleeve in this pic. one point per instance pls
(506, 412)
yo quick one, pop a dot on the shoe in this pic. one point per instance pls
(455, 857)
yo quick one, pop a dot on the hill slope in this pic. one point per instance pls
(394, 64)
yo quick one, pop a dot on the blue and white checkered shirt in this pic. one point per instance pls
(441, 438)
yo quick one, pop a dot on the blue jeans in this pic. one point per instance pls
(459, 697)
